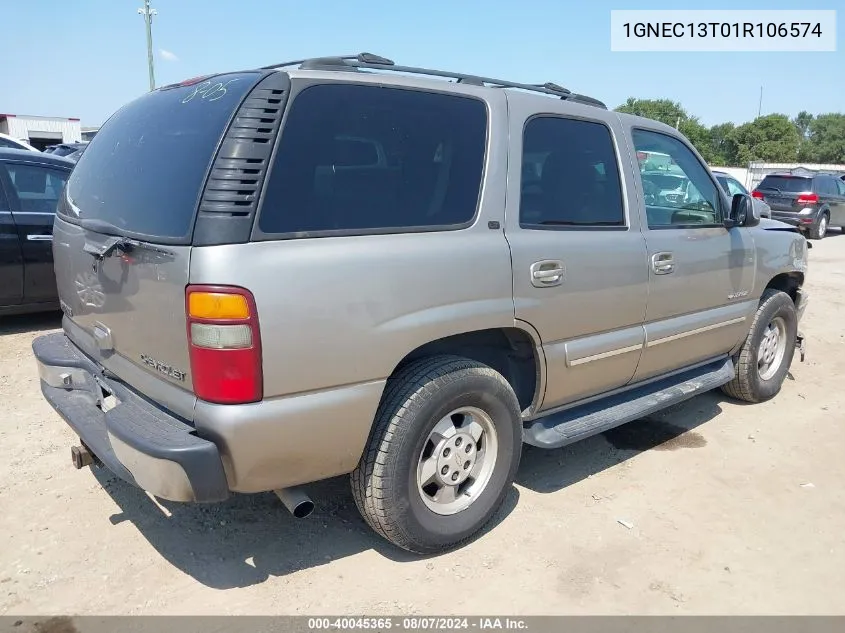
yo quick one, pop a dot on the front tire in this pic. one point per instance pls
(765, 357)
(443, 452)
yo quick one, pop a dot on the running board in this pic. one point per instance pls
(571, 425)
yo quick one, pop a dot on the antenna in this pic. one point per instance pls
(148, 14)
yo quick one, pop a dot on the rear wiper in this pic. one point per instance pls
(114, 243)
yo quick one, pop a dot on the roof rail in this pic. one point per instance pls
(369, 61)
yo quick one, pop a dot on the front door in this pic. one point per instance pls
(34, 195)
(578, 257)
(701, 274)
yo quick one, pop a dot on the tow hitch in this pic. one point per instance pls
(799, 344)
(81, 456)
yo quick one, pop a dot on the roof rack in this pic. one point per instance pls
(370, 61)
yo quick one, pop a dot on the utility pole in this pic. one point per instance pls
(760, 105)
(148, 14)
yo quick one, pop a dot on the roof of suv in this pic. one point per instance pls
(367, 63)
(34, 157)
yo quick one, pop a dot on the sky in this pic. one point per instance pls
(86, 58)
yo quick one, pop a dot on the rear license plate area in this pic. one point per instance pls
(107, 400)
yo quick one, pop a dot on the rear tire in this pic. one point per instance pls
(819, 229)
(443, 452)
(765, 357)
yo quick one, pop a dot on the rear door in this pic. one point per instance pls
(123, 237)
(34, 193)
(578, 257)
(11, 260)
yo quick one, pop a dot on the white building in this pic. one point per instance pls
(41, 131)
(89, 132)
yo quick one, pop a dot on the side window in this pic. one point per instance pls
(570, 175)
(840, 185)
(36, 188)
(362, 159)
(734, 187)
(8, 144)
(827, 186)
(680, 194)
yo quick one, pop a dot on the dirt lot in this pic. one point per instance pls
(735, 509)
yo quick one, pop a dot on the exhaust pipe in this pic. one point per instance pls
(296, 501)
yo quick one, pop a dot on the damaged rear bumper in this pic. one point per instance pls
(139, 442)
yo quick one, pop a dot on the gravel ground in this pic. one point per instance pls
(710, 507)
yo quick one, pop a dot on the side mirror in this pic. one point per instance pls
(743, 211)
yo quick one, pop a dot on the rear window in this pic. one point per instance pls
(144, 170)
(358, 158)
(788, 184)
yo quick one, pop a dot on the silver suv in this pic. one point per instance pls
(342, 265)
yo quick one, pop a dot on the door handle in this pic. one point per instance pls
(548, 272)
(39, 238)
(663, 263)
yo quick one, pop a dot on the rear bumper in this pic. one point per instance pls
(276, 443)
(137, 441)
(795, 219)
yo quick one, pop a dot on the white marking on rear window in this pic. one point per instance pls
(209, 91)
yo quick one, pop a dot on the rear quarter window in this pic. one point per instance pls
(359, 159)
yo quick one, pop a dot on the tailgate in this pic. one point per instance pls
(127, 310)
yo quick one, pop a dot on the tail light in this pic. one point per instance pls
(808, 198)
(756, 194)
(225, 344)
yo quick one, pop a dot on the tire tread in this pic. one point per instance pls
(404, 390)
(740, 387)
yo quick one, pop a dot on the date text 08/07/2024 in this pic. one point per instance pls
(415, 623)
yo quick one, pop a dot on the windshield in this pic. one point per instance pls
(143, 172)
(789, 184)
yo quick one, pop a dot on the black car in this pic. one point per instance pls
(810, 201)
(30, 185)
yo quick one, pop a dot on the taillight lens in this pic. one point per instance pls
(756, 194)
(808, 198)
(225, 344)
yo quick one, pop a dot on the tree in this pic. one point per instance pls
(771, 138)
(723, 145)
(672, 113)
(663, 110)
(825, 140)
(803, 122)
